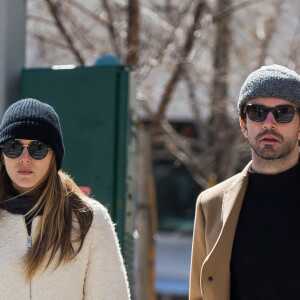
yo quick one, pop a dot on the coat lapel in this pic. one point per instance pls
(233, 199)
(217, 264)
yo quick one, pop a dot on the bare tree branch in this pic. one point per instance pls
(190, 38)
(179, 147)
(55, 14)
(270, 28)
(232, 8)
(49, 40)
(111, 28)
(78, 30)
(199, 125)
(196, 166)
(40, 20)
(160, 53)
(268, 31)
(88, 13)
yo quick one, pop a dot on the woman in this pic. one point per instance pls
(55, 242)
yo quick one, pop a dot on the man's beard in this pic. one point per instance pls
(269, 152)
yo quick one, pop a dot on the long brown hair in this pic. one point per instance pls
(65, 221)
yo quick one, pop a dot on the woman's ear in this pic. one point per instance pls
(243, 125)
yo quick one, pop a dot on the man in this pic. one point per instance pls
(246, 242)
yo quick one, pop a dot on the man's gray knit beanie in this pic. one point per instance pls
(271, 81)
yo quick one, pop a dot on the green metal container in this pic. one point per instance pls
(96, 106)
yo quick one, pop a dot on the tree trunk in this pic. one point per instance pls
(133, 38)
(219, 124)
(146, 219)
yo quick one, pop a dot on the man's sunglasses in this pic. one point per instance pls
(36, 149)
(281, 113)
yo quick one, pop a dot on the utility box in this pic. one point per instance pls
(96, 106)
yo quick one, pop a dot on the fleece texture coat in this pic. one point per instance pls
(217, 213)
(97, 272)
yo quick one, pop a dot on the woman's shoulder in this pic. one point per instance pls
(100, 213)
(95, 205)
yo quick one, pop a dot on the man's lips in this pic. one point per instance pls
(270, 139)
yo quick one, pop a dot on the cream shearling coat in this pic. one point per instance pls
(97, 272)
(217, 213)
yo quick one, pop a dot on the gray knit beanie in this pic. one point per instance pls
(31, 119)
(271, 81)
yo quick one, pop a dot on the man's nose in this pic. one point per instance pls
(270, 122)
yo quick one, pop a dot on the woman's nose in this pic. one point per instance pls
(25, 157)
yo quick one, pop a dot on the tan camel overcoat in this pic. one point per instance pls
(217, 213)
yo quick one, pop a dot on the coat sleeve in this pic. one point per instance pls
(198, 253)
(106, 277)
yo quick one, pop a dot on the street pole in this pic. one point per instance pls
(12, 50)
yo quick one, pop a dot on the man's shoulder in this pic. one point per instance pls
(219, 189)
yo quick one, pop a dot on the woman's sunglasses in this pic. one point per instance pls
(281, 113)
(36, 149)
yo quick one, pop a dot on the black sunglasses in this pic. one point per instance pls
(281, 113)
(36, 149)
